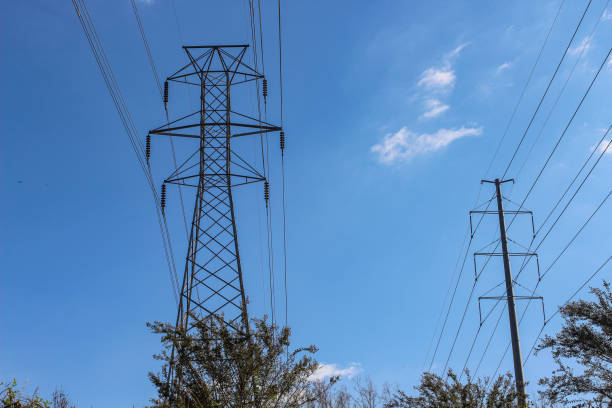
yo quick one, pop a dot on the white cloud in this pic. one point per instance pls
(329, 370)
(438, 78)
(606, 15)
(434, 108)
(584, 46)
(457, 51)
(605, 145)
(403, 145)
(504, 66)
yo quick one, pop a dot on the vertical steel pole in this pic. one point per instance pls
(514, 334)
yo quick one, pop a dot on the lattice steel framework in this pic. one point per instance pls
(213, 278)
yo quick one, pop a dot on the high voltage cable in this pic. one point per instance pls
(560, 199)
(603, 151)
(476, 337)
(128, 124)
(280, 86)
(525, 87)
(550, 156)
(147, 48)
(264, 163)
(571, 241)
(564, 130)
(547, 88)
(501, 314)
(535, 114)
(161, 94)
(487, 171)
(533, 185)
(450, 286)
(565, 303)
(599, 144)
(582, 52)
(524, 264)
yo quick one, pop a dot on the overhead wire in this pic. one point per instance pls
(544, 166)
(550, 156)
(158, 82)
(512, 116)
(570, 242)
(586, 93)
(528, 259)
(265, 164)
(284, 202)
(529, 77)
(552, 109)
(565, 303)
(547, 89)
(129, 126)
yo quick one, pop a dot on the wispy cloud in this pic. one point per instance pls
(434, 108)
(606, 15)
(457, 51)
(403, 145)
(332, 370)
(437, 81)
(506, 65)
(605, 144)
(584, 46)
(438, 78)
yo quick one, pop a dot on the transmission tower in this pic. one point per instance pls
(212, 283)
(509, 281)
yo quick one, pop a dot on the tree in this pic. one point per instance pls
(584, 340)
(60, 399)
(219, 367)
(438, 392)
(10, 397)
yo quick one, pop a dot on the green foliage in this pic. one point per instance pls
(584, 340)
(449, 392)
(219, 367)
(10, 397)
(60, 399)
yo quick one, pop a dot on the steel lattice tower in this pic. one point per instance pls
(212, 283)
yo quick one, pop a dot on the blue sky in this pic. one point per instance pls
(393, 111)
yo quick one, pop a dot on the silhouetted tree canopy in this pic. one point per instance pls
(217, 366)
(435, 391)
(582, 351)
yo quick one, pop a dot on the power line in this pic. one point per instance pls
(571, 241)
(265, 164)
(535, 114)
(282, 146)
(565, 129)
(527, 260)
(128, 124)
(489, 167)
(550, 156)
(566, 302)
(524, 88)
(552, 226)
(161, 94)
(552, 109)
(548, 159)
(547, 89)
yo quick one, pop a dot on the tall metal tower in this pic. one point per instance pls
(212, 283)
(509, 281)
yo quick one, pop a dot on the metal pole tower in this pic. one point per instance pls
(212, 283)
(514, 333)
